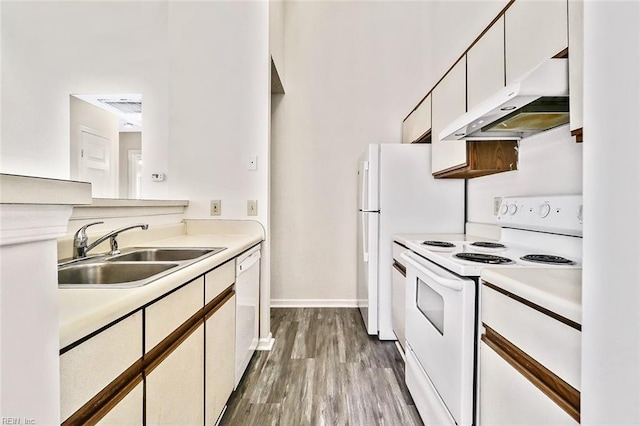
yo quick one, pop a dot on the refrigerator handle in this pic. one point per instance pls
(365, 246)
(365, 187)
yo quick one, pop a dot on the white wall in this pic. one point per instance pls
(219, 109)
(53, 49)
(549, 163)
(354, 70)
(611, 278)
(276, 35)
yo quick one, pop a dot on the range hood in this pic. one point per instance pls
(537, 101)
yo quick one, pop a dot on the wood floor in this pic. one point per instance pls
(323, 370)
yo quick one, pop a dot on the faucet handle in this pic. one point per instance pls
(81, 234)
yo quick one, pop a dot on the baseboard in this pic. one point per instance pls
(314, 303)
(266, 343)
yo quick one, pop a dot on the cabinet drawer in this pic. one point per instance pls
(89, 367)
(168, 313)
(553, 344)
(418, 123)
(219, 279)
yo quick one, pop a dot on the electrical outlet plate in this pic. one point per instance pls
(496, 205)
(252, 207)
(216, 207)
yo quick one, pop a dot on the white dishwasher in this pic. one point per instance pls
(247, 308)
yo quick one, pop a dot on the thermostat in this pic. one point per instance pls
(157, 177)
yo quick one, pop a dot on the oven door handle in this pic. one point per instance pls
(416, 262)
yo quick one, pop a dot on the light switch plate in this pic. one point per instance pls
(216, 207)
(252, 207)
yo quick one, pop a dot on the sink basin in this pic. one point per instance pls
(110, 274)
(164, 254)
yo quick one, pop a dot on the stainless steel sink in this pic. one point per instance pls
(133, 268)
(164, 254)
(105, 274)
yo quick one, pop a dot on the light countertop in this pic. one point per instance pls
(556, 289)
(83, 311)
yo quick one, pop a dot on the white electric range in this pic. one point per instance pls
(442, 297)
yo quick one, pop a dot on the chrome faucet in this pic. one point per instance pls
(80, 239)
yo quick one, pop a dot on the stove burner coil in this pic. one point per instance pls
(548, 259)
(483, 258)
(486, 244)
(438, 244)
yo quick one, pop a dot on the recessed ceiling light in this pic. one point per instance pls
(508, 108)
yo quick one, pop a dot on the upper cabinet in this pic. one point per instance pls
(534, 31)
(576, 60)
(485, 65)
(417, 126)
(449, 102)
(464, 87)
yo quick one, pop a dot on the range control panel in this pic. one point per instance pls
(555, 213)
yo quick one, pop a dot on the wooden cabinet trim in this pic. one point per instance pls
(484, 158)
(534, 306)
(98, 406)
(563, 394)
(578, 134)
(424, 138)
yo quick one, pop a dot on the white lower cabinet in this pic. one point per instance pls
(508, 398)
(220, 359)
(88, 368)
(175, 388)
(178, 347)
(128, 412)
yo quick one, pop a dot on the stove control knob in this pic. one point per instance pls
(580, 213)
(544, 210)
(504, 209)
(513, 209)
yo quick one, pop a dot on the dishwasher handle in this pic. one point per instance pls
(247, 262)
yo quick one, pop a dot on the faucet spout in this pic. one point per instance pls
(80, 240)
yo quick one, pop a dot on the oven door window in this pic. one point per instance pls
(431, 304)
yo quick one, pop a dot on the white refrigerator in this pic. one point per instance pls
(397, 195)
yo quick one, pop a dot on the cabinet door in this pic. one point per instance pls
(534, 31)
(126, 412)
(168, 313)
(576, 61)
(485, 65)
(508, 398)
(89, 367)
(418, 123)
(175, 388)
(219, 359)
(449, 102)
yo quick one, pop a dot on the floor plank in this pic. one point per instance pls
(323, 370)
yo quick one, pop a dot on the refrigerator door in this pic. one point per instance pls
(367, 290)
(368, 178)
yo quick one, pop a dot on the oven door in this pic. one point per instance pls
(440, 330)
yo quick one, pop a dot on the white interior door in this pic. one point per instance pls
(96, 165)
(135, 173)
